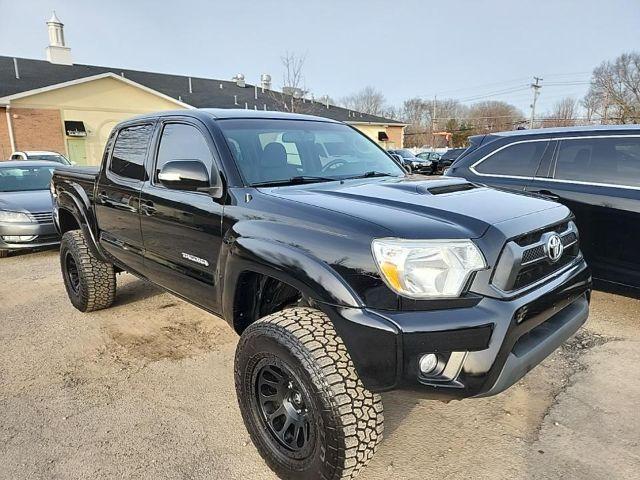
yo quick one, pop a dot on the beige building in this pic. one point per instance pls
(56, 105)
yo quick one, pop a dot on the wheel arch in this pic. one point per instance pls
(70, 215)
(250, 260)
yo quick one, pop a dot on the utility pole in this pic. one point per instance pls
(433, 121)
(536, 91)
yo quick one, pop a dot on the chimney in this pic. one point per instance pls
(57, 51)
(265, 81)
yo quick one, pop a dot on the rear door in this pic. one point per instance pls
(182, 229)
(117, 202)
(513, 166)
(598, 178)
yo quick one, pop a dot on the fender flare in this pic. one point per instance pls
(309, 275)
(77, 208)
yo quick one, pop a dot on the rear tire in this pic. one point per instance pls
(90, 283)
(305, 408)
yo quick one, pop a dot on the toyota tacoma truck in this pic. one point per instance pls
(344, 275)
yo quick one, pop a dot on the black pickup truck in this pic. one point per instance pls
(344, 275)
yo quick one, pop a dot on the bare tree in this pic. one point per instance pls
(615, 89)
(368, 100)
(494, 116)
(293, 64)
(292, 97)
(563, 114)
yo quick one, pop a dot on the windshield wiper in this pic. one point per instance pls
(297, 180)
(373, 173)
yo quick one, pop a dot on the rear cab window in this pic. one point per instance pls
(130, 152)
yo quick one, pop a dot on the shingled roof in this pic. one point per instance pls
(205, 92)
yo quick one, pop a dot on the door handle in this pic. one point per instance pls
(548, 194)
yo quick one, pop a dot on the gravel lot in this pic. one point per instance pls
(145, 390)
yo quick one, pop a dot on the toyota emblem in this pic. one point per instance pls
(554, 248)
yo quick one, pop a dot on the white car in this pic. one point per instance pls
(41, 155)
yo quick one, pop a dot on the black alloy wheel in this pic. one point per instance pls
(71, 271)
(284, 407)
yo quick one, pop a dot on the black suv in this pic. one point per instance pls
(595, 171)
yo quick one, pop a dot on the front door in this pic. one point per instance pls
(182, 229)
(598, 178)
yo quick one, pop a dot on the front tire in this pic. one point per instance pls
(302, 401)
(90, 283)
(4, 253)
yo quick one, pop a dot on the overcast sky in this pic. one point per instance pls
(466, 49)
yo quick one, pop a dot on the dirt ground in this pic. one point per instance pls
(145, 390)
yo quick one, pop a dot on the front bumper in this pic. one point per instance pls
(483, 349)
(45, 233)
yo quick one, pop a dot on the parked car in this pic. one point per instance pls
(447, 158)
(26, 212)
(417, 165)
(41, 155)
(343, 281)
(595, 171)
(432, 156)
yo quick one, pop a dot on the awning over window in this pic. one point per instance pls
(74, 128)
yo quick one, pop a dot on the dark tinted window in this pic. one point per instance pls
(182, 142)
(519, 159)
(613, 160)
(130, 151)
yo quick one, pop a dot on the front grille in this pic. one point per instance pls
(43, 217)
(525, 259)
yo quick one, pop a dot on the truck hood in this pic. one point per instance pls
(31, 201)
(418, 207)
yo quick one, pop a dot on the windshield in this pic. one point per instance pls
(51, 158)
(405, 153)
(23, 179)
(275, 151)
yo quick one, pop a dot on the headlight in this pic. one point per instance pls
(427, 268)
(14, 217)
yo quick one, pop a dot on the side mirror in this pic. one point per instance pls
(189, 175)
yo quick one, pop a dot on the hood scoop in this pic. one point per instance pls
(452, 188)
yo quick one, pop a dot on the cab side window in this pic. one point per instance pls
(130, 151)
(607, 160)
(518, 160)
(180, 141)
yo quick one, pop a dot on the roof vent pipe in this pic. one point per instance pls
(265, 82)
(15, 67)
(239, 79)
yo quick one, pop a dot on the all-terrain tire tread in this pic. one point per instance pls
(98, 278)
(357, 411)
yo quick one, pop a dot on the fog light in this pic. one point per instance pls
(428, 363)
(18, 238)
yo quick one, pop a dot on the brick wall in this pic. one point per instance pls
(37, 129)
(5, 142)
